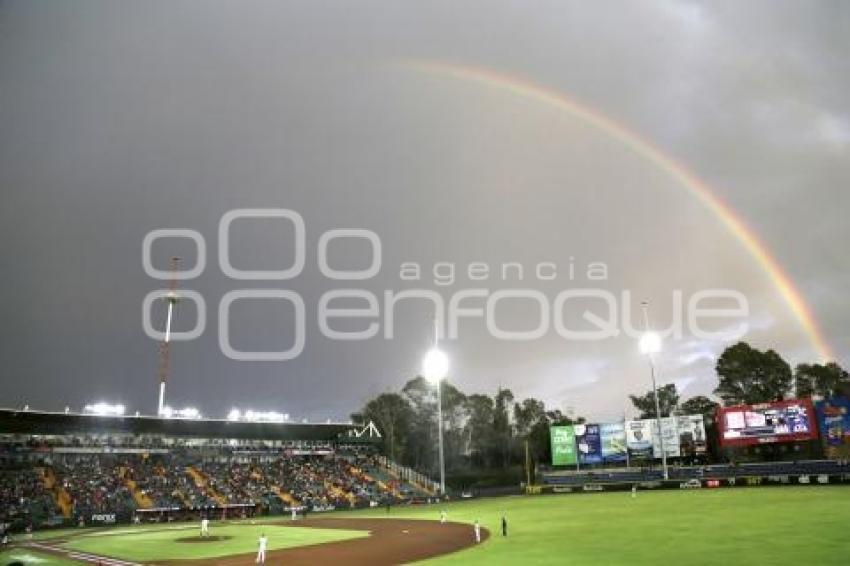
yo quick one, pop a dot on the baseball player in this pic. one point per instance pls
(477, 532)
(443, 516)
(205, 527)
(261, 551)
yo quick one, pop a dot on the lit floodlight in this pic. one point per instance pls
(650, 343)
(188, 413)
(264, 416)
(166, 412)
(104, 409)
(435, 365)
(234, 415)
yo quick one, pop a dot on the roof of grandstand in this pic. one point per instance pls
(38, 422)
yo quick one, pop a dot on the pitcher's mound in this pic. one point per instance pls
(199, 539)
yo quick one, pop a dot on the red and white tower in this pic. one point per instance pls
(171, 299)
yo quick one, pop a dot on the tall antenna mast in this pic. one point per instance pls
(164, 347)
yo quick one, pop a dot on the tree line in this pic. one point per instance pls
(491, 432)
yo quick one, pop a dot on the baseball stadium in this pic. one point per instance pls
(478, 282)
(129, 490)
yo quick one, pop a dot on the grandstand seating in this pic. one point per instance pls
(24, 496)
(49, 486)
(87, 484)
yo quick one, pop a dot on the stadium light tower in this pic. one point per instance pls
(435, 368)
(165, 346)
(650, 344)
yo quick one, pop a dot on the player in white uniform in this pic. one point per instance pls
(261, 551)
(294, 514)
(443, 516)
(477, 531)
(205, 527)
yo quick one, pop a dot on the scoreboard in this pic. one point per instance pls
(782, 421)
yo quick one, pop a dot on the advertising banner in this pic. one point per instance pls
(613, 442)
(639, 438)
(589, 443)
(692, 440)
(563, 442)
(834, 421)
(782, 421)
(670, 434)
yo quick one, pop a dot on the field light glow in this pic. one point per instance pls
(104, 409)
(184, 413)
(257, 416)
(435, 366)
(650, 343)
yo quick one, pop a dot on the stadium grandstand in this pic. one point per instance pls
(78, 469)
(59, 469)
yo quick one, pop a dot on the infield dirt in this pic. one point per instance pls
(390, 541)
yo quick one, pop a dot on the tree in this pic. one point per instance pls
(556, 417)
(502, 423)
(532, 428)
(747, 376)
(393, 415)
(668, 398)
(422, 443)
(527, 414)
(479, 427)
(826, 380)
(454, 416)
(424, 439)
(699, 405)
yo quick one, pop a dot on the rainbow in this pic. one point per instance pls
(652, 153)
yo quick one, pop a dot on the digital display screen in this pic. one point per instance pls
(783, 421)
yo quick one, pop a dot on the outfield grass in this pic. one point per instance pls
(162, 544)
(30, 558)
(780, 525)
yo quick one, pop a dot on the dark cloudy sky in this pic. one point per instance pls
(117, 118)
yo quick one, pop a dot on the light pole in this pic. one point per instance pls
(165, 346)
(435, 368)
(650, 344)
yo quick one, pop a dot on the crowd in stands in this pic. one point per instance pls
(121, 484)
(336, 482)
(24, 497)
(153, 480)
(94, 484)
